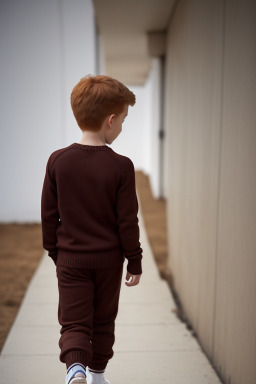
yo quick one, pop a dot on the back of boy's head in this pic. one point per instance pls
(96, 97)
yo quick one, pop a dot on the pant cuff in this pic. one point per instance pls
(96, 370)
(97, 367)
(75, 356)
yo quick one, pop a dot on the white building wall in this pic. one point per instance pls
(46, 47)
(155, 111)
(101, 55)
(139, 139)
(133, 140)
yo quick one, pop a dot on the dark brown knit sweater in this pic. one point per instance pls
(89, 209)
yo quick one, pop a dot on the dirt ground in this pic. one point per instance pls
(21, 250)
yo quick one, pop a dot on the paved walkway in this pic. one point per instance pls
(152, 345)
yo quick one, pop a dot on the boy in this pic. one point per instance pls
(89, 217)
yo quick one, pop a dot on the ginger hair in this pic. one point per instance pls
(96, 97)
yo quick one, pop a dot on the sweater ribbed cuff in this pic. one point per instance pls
(134, 267)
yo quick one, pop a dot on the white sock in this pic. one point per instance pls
(95, 376)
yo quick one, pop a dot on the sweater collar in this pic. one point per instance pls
(87, 147)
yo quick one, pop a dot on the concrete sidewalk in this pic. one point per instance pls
(152, 345)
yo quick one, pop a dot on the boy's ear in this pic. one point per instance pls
(111, 118)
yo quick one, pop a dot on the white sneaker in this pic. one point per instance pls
(71, 377)
(95, 378)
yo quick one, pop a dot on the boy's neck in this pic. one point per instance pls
(96, 144)
(92, 138)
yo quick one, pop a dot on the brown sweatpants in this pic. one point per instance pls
(88, 306)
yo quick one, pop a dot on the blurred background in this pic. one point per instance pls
(191, 136)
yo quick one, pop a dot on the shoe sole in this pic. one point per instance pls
(78, 380)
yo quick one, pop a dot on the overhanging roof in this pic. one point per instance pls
(124, 26)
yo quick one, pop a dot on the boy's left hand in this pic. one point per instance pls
(135, 279)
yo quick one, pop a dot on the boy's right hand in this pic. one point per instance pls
(135, 279)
